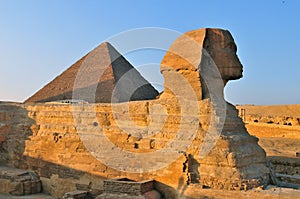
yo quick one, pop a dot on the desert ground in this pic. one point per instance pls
(277, 127)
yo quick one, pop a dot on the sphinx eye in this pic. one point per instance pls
(231, 45)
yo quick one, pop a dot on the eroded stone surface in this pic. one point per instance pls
(195, 52)
(236, 155)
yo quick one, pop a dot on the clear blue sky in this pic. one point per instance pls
(40, 39)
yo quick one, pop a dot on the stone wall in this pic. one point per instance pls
(285, 165)
(6, 116)
(45, 138)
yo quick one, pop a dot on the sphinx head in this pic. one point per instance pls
(191, 55)
(221, 47)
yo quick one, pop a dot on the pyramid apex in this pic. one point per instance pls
(108, 45)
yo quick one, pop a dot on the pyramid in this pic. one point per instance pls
(101, 76)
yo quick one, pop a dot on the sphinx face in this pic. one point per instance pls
(222, 49)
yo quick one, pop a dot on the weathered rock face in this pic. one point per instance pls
(195, 53)
(221, 47)
(94, 77)
(236, 154)
(60, 137)
(182, 60)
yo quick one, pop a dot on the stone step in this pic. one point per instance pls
(77, 194)
(18, 182)
(129, 189)
(295, 179)
(33, 196)
(152, 194)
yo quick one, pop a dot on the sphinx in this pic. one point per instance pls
(236, 161)
(188, 134)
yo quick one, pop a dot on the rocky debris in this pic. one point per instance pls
(19, 182)
(269, 192)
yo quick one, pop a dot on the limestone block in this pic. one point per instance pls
(77, 195)
(19, 182)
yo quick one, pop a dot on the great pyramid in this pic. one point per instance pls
(101, 76)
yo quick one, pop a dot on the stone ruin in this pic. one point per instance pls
(64, 144)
